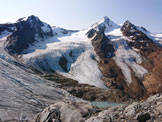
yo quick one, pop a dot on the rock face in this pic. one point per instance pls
(149, 110)
(26, 33)
(112, 74)
(87, 92)
(66, 112)
(151, 53)
(138, 40)
(101, 44)
(7, 27)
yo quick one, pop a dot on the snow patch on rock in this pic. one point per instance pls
(127, 59)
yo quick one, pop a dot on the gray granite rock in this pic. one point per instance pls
(83, 112)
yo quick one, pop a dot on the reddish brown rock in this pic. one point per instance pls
(152, 57)
(112, 74)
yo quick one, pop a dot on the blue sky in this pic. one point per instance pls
(79, 14)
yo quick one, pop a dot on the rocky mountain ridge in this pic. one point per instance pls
(124, 57)
(103, 62)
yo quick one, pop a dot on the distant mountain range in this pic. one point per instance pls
(106, 55)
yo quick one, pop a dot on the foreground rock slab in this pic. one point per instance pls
(23, 94)
(66, 112)
(149, 110)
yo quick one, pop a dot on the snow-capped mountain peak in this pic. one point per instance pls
(128, 24)
(28, 31)
(126, 57)
(91, 56)
(131, 26)
(106, 20)
(105, 24)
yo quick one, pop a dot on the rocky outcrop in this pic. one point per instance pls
(7, 27)
(151, 53)
(66, 112)
(149, 110)
(112, 74)
(26, 33)
(101, 44)
(138, 40)
(63, 63)
(87, 92)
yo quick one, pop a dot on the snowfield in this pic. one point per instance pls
(77, 50)
(44, 55)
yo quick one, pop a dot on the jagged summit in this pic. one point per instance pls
(30, 18)
(106, 20)
(105, 17)
(128, 24)
(105, 24)
(27, 31)
(34, 21)
(33, 17)
(21, 19)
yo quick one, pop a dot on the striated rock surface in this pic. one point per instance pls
(149, 110)
(23, 93)
(66, 112)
